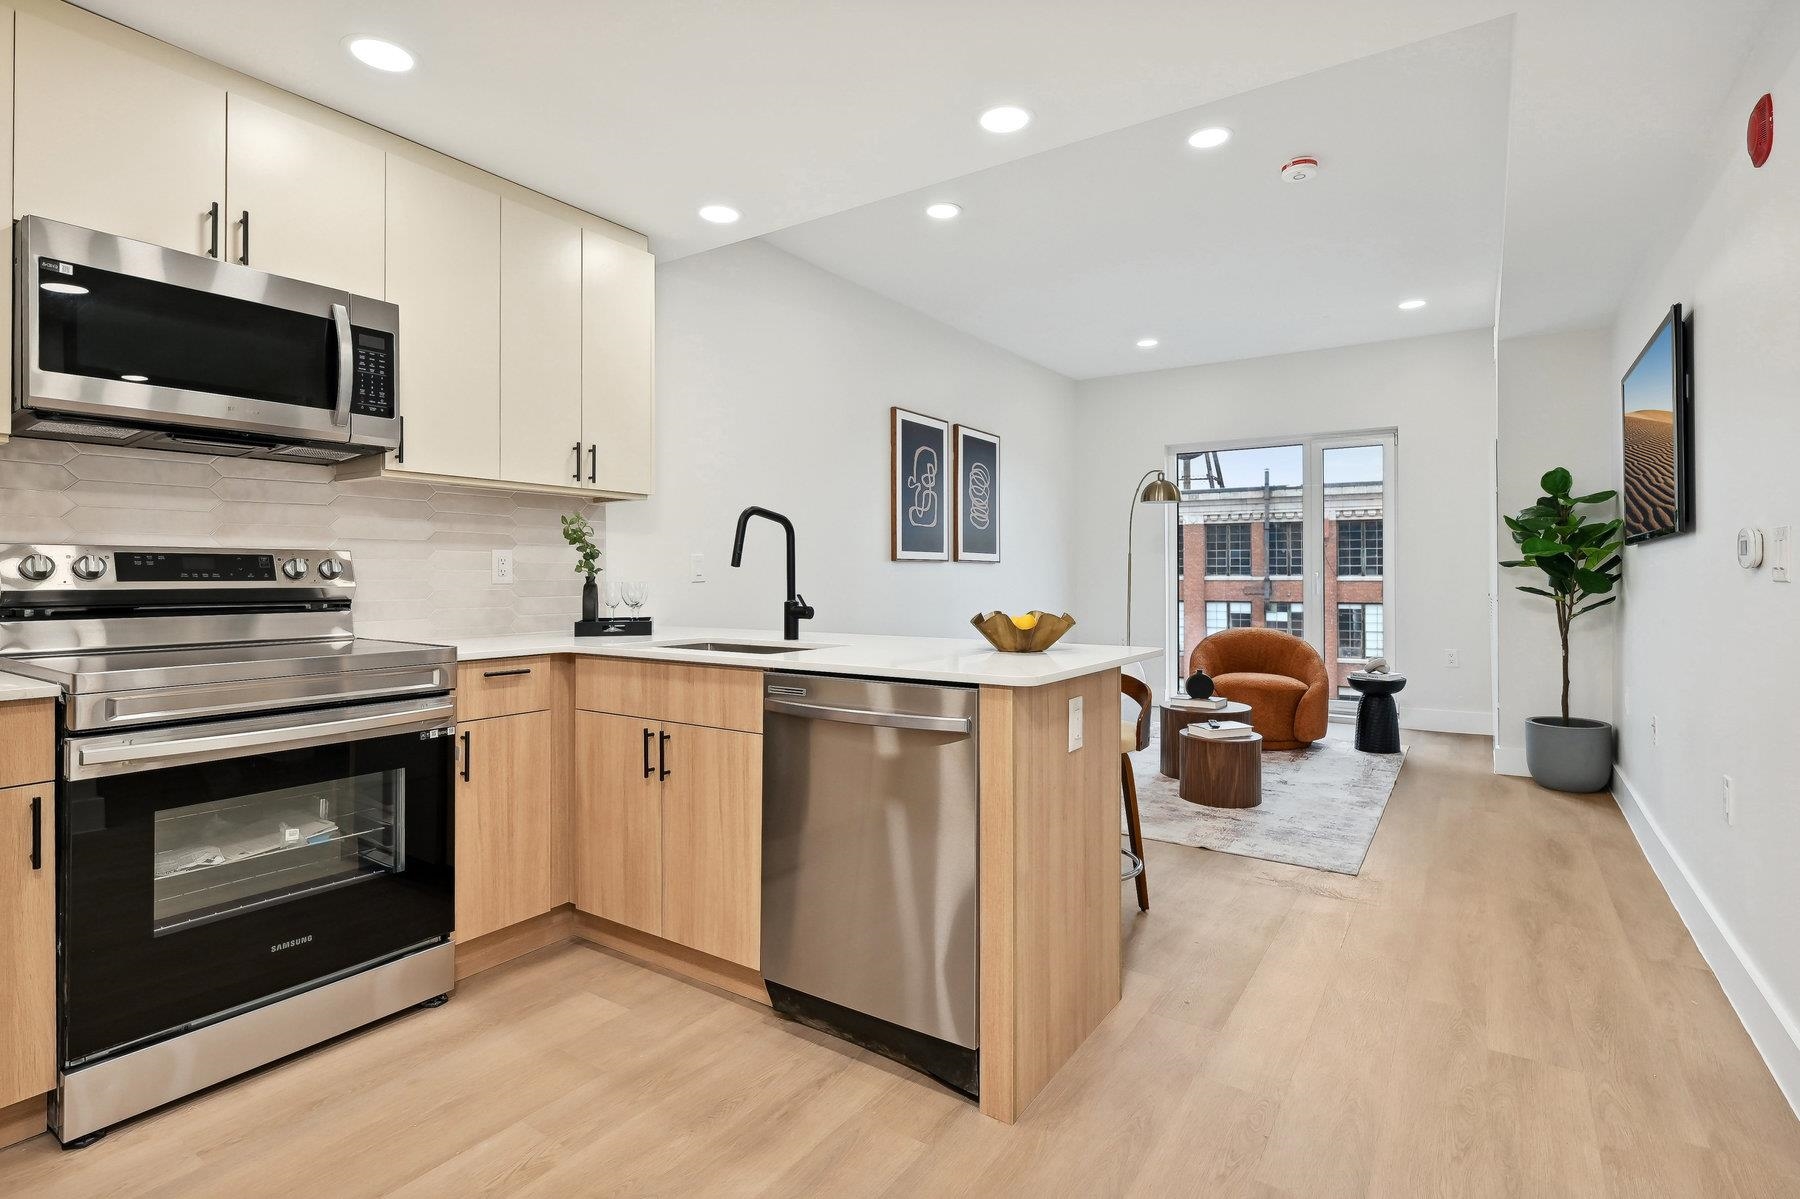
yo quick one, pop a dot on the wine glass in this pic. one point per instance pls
(635, 595)
(613, 595)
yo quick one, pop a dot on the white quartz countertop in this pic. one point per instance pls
(932, 659)
(17, 686)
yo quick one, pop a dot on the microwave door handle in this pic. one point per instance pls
(346, 381)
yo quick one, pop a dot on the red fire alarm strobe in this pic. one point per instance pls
(1760, 137)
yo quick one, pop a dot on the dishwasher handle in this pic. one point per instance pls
(890, 720)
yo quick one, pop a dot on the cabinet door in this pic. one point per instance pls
(712, 842)
(27, 944)
(314, 197)
(443, 270)
(618, 361)
(507, 823)
(540, 347)
(108, 140)
(618, 821)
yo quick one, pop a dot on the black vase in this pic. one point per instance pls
(590, 600)
(1199, 686)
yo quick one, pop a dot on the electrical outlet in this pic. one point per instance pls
(696, 568)
(1452, 658)
(1075, 724)
(503, 566)
(1730, 798)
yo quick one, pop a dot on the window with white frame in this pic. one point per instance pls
(1289, 618)
(1360, 632)
(1226, 614)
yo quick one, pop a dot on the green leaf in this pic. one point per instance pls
(1598, 497)
(1516, 562)
(1557, 481)
(1593, 582)
(1538, 591)
(1539, 547)
(1596, 604)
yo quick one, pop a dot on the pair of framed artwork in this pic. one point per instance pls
(945, 489)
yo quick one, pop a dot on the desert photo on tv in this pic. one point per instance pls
(1650, 463)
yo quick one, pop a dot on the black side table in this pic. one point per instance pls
(1377, 717)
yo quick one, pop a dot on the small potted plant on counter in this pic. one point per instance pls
(580, 534)
(1580, 559)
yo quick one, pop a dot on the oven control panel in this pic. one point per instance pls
(26, 568)
(374, 394)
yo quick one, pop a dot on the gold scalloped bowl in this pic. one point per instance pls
(1009, 638)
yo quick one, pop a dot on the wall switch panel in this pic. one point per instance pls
(1730, 797)
(696, 568)
(1779, 548)
(1075, 724)
(503, 566)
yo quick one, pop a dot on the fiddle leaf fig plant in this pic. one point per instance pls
(579, 533)
(1578, 555)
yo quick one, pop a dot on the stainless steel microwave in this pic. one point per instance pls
(122, 342)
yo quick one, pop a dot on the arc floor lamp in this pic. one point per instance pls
(1153, 488)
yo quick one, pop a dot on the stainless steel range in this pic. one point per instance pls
(254, 813)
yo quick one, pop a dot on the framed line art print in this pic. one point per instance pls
(920, 488)
(977, 495)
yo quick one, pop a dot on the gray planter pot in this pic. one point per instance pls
(1576, 755)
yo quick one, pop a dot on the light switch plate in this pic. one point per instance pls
(503, 566)
(1075, 724)
(696, 568)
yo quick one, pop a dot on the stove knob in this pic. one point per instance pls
(36, 567)
(296, 568)
(90, 567)
(330, 569)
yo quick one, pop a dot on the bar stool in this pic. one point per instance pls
(1134, 735)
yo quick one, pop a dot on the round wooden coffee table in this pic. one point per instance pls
(1221, 774)
(1175, 719)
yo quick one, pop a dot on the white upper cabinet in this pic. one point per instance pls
(312, 196)
(443, 270)
(116, 142)
(540, 348)
(618, 361)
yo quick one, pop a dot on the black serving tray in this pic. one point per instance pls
(618, 626)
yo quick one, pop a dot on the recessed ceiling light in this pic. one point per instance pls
(1008, 118)
(1409, 305)
(719, 214)
(1210, 138)
(65, 289)
(943, 211)
(380, 54)
(1147, 343)
(135, 378)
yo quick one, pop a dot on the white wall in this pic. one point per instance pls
(1438, 392)
(1711, 651)
(1553, 412)
(774, 381)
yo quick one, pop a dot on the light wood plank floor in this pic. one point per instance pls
(1503, 1002)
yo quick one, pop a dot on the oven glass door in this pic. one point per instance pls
(194, 890)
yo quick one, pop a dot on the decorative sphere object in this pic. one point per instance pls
(1199, 686)
(1375, 666)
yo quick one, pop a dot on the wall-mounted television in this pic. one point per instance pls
(1657, 401)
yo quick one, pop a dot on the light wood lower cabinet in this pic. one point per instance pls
(27, 943)
(508, 821)
(669, 831)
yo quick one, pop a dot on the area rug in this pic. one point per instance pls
(1320, 807)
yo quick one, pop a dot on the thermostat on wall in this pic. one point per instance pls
(1750, 548)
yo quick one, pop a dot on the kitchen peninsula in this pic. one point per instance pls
(678, 882)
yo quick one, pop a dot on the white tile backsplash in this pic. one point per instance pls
(422, 551)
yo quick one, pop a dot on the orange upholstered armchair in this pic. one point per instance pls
(1281, 677)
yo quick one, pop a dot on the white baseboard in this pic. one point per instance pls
(1771, 1026)
(1447, 720)
(1510, 759)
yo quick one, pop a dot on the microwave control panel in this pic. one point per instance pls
(374, 395)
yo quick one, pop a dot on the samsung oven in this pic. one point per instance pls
(235, 890)
(125, 343)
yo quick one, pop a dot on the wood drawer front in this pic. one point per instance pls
(720, 697)
(504, 687)
(27, 742)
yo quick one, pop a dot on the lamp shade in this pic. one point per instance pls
(1159, 491)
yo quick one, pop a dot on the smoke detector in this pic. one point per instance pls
(1300, 170)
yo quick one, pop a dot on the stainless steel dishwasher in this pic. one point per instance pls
(870, 824)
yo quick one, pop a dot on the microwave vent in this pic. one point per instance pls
(84, 431)
(309, 453)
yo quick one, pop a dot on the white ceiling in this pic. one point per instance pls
(1069, 256)
(794, 110)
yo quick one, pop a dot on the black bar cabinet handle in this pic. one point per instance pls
(662, 755)
(648, 769)
(505, 674)
(593, 467)
(37, 832)
(213, 250)
(578, 462)
(465, 770)
(245, 222)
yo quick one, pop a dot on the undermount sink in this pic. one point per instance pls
(740, 647)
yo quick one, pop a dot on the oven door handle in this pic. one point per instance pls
(346, 348)
(128, 752)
